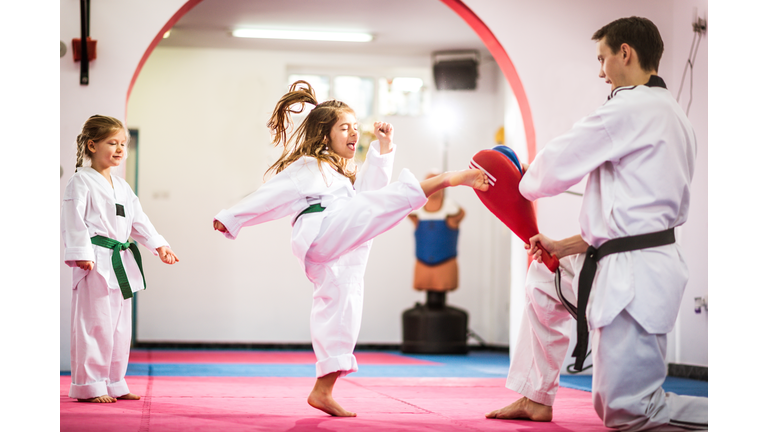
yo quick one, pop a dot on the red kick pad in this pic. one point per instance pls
(504, 200)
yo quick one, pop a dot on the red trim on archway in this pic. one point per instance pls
(171, 22)
(506, 66)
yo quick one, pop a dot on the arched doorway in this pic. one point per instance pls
(241, 178)
(461, 9)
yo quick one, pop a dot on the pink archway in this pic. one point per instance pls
(485, 34)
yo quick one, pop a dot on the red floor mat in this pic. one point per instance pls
(235, 404)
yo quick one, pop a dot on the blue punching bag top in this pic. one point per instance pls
(435, 242)
(508, 152)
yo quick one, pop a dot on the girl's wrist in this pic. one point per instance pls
(385, 147)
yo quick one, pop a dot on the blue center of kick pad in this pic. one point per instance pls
(508, 152)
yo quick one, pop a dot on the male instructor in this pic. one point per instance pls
(638, 150)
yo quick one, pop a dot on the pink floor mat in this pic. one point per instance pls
(235, 404)
(262, 357)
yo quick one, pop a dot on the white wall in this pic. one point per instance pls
(201, 115)
(557, 69)
(690, 339)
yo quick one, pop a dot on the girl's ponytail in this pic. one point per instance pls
(81, 149)
(280, 122)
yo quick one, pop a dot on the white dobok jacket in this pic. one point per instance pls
(638, 150)
(89, 209)
(300, 185)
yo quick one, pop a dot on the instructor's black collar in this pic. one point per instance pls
(654, 81)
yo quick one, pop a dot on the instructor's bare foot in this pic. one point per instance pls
(326, 403)
(471, 177)
(129, 396)
(523, 408)
(99, 399)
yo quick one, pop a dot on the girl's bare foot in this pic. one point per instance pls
(471, 177)
(523, 408)
(322, 399)
(129, 396)
(326, 403)
(99, 399)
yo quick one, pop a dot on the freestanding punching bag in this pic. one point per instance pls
(434, 327)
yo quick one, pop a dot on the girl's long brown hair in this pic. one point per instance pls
(313, 135)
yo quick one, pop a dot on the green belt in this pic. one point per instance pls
(117, 263)
(314, 208)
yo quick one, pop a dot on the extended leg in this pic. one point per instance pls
(353, 222)
(471, 177)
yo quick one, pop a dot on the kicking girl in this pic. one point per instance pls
(98, 214)
(336, 212)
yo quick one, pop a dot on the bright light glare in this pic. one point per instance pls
(166, 34)
(302, 35)
(444, 118)
(404, 84)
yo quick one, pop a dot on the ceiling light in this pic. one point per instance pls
(302, 35)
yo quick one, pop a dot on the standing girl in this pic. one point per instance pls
(98, 214)
(336, 212)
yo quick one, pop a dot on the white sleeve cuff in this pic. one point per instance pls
(78, 254)
(230, 222)
(155, 242)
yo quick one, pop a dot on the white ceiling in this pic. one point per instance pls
(400, 27)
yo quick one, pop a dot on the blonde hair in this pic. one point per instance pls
(313, 135)
(96, 128)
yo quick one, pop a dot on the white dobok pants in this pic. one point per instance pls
(628, 370)
(335, 264)
(101, 339)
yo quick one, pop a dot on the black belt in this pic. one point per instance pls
(587, 276)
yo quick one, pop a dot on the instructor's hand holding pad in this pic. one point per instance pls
(503, 198)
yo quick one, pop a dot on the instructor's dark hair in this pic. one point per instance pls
(637, 32)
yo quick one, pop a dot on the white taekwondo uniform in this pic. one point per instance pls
(639, 152)
(101, 318)
(333, 245)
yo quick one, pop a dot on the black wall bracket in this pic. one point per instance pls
(85, 15)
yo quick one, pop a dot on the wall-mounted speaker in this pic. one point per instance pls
(455, 70)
